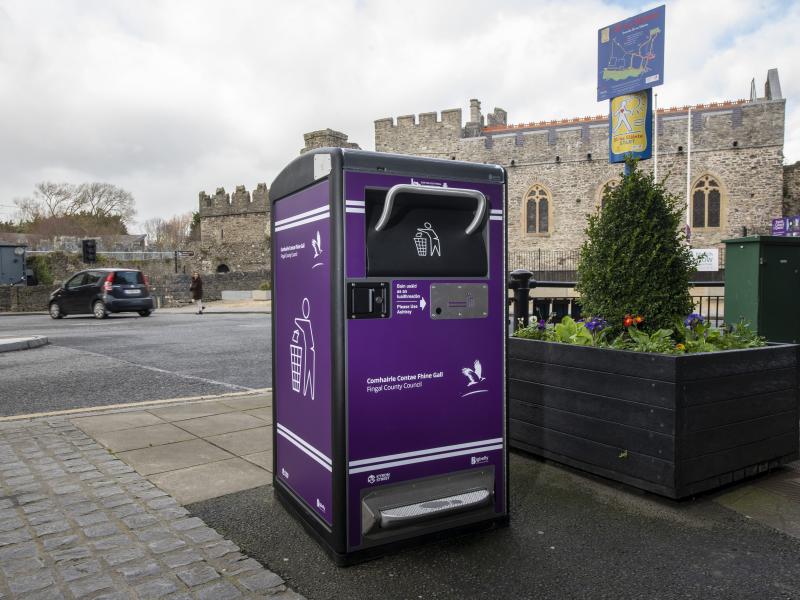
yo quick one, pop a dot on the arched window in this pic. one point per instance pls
(223, 268)
(609, 185)
(537, 205)
(708, 203)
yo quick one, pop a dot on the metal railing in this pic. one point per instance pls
(562, 265)
(134, 255)
(556, 307)
(553, 265)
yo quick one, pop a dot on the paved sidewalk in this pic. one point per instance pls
(223, 307)
(10, 344)
(77, 522)
(217, 307)
(182, 448)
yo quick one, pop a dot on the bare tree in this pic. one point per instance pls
(56, 199)
(168, 234)
(28, 209)
(106, 200)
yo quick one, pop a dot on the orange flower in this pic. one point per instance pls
(638, 319)
(628, 321)
(680, 347)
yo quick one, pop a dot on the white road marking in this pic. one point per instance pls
(231, 386)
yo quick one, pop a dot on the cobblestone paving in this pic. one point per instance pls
(76, 522)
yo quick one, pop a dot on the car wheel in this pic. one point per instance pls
(145, 313)
(99, 310)
(55, 311)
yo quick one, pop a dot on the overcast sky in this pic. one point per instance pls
(167, 98)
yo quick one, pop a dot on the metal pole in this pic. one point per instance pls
(689, 176)
(521, 283)
(655, 137)
(176, 261)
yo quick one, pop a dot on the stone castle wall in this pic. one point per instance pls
(791, 189)
(326, 138)
(233, 230)
(739, 143)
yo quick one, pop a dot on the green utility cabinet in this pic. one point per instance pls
(762, 285)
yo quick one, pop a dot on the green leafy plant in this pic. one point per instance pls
(41, 269)
(635, 259)
(265, 285)
(571, 332)
(657, 341)
(536, 330)
(692, 335)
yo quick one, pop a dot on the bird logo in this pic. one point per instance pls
(316, 244)
(474, 375)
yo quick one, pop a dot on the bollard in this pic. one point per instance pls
(521, 282)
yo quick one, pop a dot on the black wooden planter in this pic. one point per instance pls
(673, 425)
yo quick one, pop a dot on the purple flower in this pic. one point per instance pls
(596, 324)
(541, 324)
(693, 320)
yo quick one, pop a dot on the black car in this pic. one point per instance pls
(102, 291)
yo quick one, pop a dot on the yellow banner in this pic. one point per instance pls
(629, 123)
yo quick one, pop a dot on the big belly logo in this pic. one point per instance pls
(378, 477)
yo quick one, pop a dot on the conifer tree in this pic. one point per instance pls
(635, 260)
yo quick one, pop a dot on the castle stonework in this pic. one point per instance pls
(557, 170)
(791, 190)
(326, 138)
(234, 230)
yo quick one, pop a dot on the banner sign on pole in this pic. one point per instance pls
(630, 55)
(630, 126)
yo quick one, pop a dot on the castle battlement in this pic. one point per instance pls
(571, 122)
(241, 202)
(447, 118)
(732, 124)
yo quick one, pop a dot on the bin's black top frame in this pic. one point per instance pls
(299, 173)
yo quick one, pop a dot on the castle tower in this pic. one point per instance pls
(234, 229)
(326, 138)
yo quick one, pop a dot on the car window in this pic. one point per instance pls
(128, 277)
(75, 281)
(93, 277)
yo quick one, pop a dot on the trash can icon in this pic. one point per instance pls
(296, 353)
(421, 242)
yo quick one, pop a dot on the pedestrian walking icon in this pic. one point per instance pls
(622, 117)
(303, 354)
(427, 242)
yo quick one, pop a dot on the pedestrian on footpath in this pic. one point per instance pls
(196, 287)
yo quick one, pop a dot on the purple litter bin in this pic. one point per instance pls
(388, 348)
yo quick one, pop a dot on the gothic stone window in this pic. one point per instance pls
(708, 203)
(537, 205)
(601, 192)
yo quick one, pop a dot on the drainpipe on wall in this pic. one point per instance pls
(689, 176)
(655, 137)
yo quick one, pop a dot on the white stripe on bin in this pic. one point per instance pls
(357, 211)
(304, 446)
(364, 461)
(326, 215)
(302, 215)
(411, 461)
